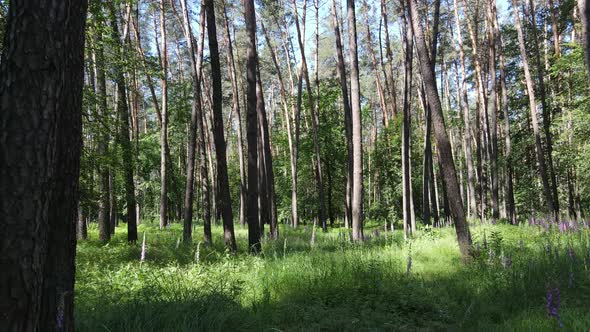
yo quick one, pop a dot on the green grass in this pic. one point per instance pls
(334, 285)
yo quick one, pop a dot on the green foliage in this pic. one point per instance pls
(334, 285)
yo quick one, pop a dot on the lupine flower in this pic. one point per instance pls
(376, 232)
(491, 255)
(142, 259)
(552, 304)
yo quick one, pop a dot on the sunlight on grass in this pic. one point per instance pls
(333, 284)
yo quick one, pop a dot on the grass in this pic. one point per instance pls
(334, 285)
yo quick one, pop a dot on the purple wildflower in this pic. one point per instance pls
(507, 262)
(552, 304)
(409, 266)
(376, 232)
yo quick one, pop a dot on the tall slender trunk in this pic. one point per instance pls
(442, 139)
(218, 134)
(390, 80)
(508, 143)
(546, 111)
(104, 232)
(408, 42)
(238, 115)
(314, 119)
(81, 227)
(252, 127)
(533, 111)
(472, 211)
(347, 113)
(287, 116)
(492, 108)
(357, 148)
(123, 136)
(164, 128)
(196, 113)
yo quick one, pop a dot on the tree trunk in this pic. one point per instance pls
(442, 139)
(492, 108)
(408, 41)
(508, 144)
(466, 121)
(252, 128)
(123, 137)
(164, 128)
(347, 114)
(357, 148)
(218, 134)
(533, 111)
(285, 102)
(82, 229)
(238, 115)
(104, 232)
(196, 54)
(314, 119)
(41, 124)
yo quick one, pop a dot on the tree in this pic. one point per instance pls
(442, 140)
(252, 128)
(218, 136)
(357, 148)
(533, 111)
(40, 118)
(164, 120)
(123, 135)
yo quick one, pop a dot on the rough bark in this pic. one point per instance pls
(252, 128)
(357, 148)
(41, 121)
(442, 140)
(218, 132)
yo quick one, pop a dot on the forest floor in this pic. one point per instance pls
(518, 274)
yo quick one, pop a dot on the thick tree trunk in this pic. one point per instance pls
(252, 128)
(41, 125)
(533, 111)
(442, 140)
(218, 134)
(357, 148)
(123, 137)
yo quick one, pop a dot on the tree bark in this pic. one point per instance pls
(164, 128)
(357, 148)
(314, 119)
(252, 128)
(442, 139)
(41, 124)
(238, 114)
(533, 110)
(195, 57)
(123, 136)
(406, 176)
(347, 113)
(218, 132)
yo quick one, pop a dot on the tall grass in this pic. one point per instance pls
(335, 285)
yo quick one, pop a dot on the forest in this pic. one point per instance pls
(294, 165)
